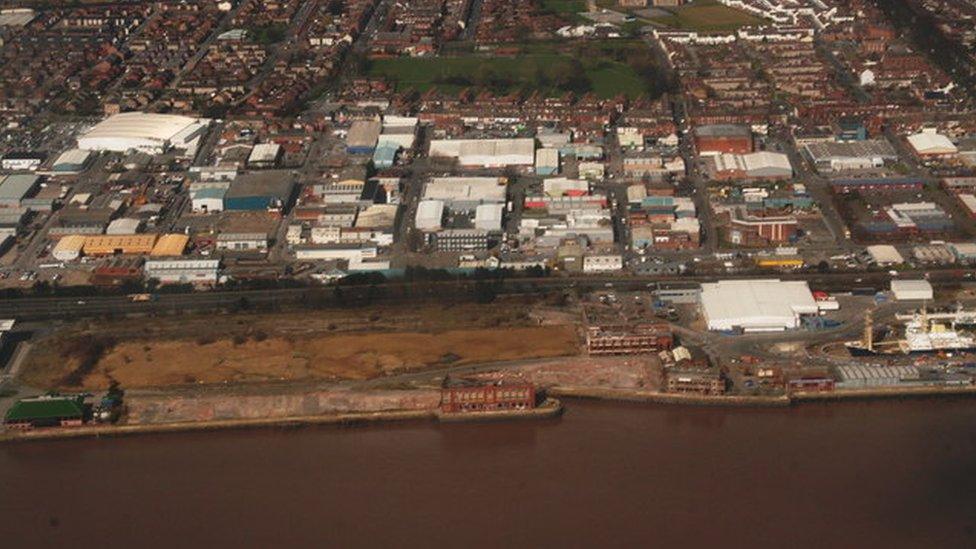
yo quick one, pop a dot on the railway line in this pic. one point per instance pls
(71, 308)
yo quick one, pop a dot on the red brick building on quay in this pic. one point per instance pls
(461, 398)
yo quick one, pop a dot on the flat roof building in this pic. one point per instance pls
(14, 189)
(136, 244)
(264, 155)
(183, 271)
(756, 305)
(850, 155)
(931, 144)
(912, 290)
(22, 160)
(170, 245)
(69, 247)
(124, 225)
(723, 138)
(150, 133)
(758, 165)
(243, 242)
(363, 136)
(547, 162)
(260, 191)
(885, 254)
(385, 155)
(486, 152)
(430, 215)
(71, 161)
(208, 199)
(466, 193)
(488, 217)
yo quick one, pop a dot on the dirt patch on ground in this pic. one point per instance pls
(619, 372)
(327, 345)
(156, 363)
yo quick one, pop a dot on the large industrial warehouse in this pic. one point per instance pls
(146, 132)
(756, 305)
(486, 152)
(465, 193)
(758, 165)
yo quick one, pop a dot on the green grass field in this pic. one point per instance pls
(607, 70)
(707, 15)
(564, 7)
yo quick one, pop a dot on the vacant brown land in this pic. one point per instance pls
(317, 346)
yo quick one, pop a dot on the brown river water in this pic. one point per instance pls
(865, 474)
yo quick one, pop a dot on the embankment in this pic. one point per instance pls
(642, 395)
(257, 404)
(883, 393)
(172, 414)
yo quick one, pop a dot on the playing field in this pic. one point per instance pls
(707, 15)
(564, 7)
(607, 70)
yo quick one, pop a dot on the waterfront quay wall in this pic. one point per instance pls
(885, 392)
(229, 406)
(641, 395)
(551, 408)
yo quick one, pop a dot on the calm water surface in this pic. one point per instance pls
(881, 474)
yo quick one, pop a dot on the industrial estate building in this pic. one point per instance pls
(71, 161)
(183, 271)
(930, 145)
(884, 255)
(912, 290)
(146, 132)
(272, 189)
(465, 193)
(486, 152)
(136, 244)
(758, 166)
(363, 136)
(756, 305)
(850, 155)
(723, 138)
(15, 189)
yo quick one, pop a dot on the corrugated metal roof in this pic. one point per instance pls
(931, 143)
(71, 159)
(760, 303)
(70, 243)
(170, 245)
(16, 187)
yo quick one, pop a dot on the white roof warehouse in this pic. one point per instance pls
(465, 193)
(147, 132)
(756, 305)
(487, 152)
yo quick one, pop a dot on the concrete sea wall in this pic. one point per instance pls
(152, 409)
